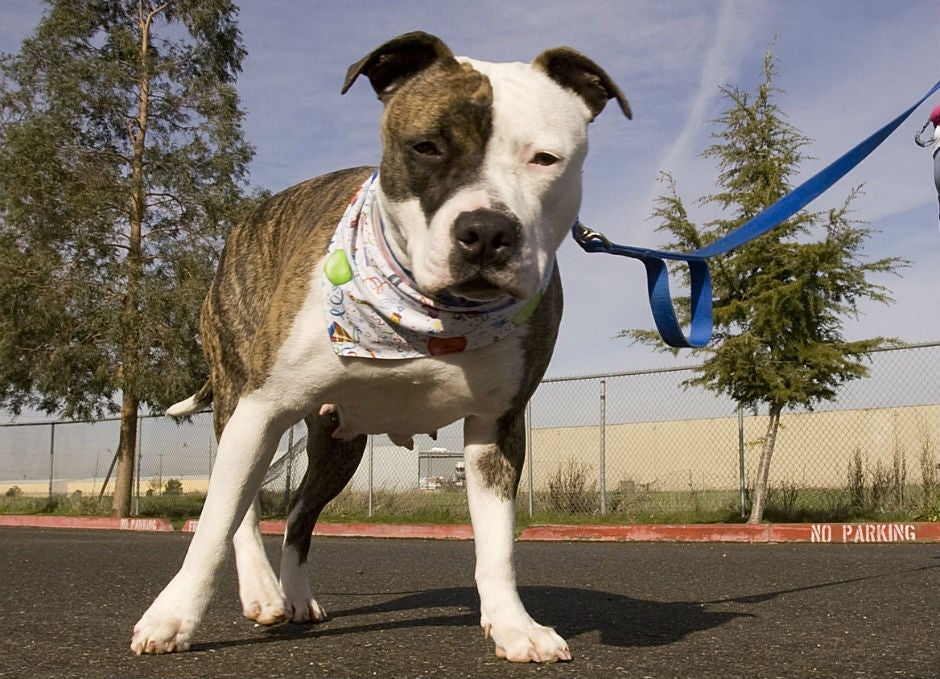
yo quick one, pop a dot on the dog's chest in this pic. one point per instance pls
(400, 397)
(419, 396)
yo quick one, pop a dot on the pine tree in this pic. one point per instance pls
(122, 167)
(779, 301)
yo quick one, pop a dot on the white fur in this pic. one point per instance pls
(295, 582)
(307, 371)
(190, 406)
(368, 394)
(502, 615)
(532, 114)
(259, 591)
(245, 450)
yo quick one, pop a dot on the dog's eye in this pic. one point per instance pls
(427, 149)
(544, 159)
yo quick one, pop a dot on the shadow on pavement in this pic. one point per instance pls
(621, 621)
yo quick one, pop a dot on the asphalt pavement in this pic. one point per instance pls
(407, 608)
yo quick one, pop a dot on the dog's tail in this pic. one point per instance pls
(198, 401)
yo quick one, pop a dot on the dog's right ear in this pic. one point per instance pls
(574, 71)
(401, 58)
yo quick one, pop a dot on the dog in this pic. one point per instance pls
(394, 301)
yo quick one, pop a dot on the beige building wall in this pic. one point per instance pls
(812, 449)
(91, 487)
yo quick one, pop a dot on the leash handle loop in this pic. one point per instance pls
(657, 274)
(657, 284)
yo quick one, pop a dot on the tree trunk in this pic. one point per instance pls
(759, 496)
(127, 453)
(132, 346)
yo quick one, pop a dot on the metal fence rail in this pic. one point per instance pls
(633, 444)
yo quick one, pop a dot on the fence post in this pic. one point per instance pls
(209, 452)
(528, 450)
(290, 464)
(140, 456)
(742, 482)
(371, 438)
(603, 448)
(140, 451)
(51, 458)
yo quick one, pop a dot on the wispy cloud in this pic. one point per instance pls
(846, 65)
(719, 67)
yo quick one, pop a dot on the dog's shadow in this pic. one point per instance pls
(618, 620)
(621, 621)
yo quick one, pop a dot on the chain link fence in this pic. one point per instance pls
(636, 446)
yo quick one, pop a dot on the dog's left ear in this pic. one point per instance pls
(574, 71)
(401, 58)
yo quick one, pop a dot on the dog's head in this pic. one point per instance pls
(481, 167)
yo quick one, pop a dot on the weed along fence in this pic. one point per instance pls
(635, 446)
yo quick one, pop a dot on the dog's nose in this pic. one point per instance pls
(486, 237)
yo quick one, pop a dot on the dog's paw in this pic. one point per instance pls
(295, 583)
(161, 631)
(170, 622)
(265, 612)
(308, 610)
(300, 602)
(531, 644)
(262, 600)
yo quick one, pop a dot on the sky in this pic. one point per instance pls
(846, 67)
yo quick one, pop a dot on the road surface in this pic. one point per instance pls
(407, 608)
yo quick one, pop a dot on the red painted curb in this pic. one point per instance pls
(851, 533)
(96, 522)
(366, 530)
(650, 533)
(844, 533)
(841, 533)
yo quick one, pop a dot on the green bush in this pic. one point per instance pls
(173, 487)
(568, 490)
(173, 507)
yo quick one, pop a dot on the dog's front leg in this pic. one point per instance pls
(493, 471)
(258, 588)
(331, 463)
(245, 451)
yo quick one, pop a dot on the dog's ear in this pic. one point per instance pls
(574, 71)
(401, 58)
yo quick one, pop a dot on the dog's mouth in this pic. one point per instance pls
(478, 289)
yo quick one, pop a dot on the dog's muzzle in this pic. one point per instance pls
(485, 244)
(374, 308)
(485, 238)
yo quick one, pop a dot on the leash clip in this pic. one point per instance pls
(583, 235)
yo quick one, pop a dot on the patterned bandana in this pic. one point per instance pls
(374, 310)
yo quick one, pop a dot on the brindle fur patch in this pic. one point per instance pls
(501, 465)
(450, 106)
(575, 72)
(331, 463)
(262, 281)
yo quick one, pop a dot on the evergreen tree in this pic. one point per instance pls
(122, 167)
(780, 300)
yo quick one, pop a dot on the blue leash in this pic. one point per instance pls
(657, 275)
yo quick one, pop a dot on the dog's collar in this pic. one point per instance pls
(373, 306)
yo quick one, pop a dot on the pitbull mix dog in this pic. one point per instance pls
(436, 298)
